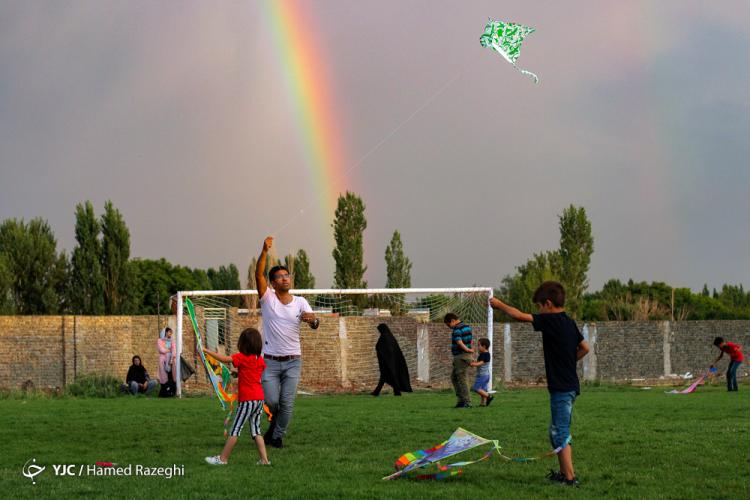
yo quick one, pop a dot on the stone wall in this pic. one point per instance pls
(50, 351)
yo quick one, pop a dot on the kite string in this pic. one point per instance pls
(377, 146)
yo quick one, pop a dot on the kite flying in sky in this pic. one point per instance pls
(506, 38)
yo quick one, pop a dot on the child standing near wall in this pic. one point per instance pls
(563, 346)
(482, 380)
(735, 360)
(250, 366)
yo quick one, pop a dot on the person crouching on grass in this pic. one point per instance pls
(563, 346)
(250, 366)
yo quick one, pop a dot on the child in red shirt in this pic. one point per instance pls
(735, 360)
(250, 366)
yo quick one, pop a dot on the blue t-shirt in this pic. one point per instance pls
(463, 333)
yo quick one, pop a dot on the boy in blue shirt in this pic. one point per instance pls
(462, 351)
(563, 346)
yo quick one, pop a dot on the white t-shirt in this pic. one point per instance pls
(281, 323)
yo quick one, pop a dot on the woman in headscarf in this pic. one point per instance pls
(393, 369)
(166, 369)
(137, 379)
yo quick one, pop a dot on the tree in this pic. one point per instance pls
(226, 278)
(576, 247)
(86, 280)
(349, 225)
(114, 262)
(155, 281)
(6, 288)
(303, 278)
(705, 291)
(38, 274)
(519, 289)
(398, 265)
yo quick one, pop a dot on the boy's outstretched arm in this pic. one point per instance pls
(514, 313)
(583, 349)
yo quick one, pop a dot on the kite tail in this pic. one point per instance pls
(550, 453)
(528, 73)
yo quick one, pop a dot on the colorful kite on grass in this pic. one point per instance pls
(460, 441)
(506, 39)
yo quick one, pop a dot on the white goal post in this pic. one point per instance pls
(470, 303)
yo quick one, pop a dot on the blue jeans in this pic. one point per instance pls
(561, 405)
(135, 389)
(280, 379)
(732, 375)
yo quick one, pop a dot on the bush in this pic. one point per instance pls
(94, 386)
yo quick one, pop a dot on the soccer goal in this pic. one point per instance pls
(340, 354)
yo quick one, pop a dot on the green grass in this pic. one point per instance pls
(628, 442)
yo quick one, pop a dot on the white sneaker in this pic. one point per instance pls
(215, 460)
(260, 462)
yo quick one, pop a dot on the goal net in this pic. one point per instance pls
(340, 355)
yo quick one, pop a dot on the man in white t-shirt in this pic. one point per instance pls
(282, 314)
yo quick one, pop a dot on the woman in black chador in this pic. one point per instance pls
(393, 369)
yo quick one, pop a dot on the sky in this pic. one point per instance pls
(186, 117)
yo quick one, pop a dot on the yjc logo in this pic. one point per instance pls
(65, 470)
(31, 470)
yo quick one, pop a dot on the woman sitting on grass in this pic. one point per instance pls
(137, 379)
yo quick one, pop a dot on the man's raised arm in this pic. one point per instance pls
(260, 268)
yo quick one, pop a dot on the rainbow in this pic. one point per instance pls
(309, 85)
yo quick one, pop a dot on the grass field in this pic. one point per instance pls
(629, 443)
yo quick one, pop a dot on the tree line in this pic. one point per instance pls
(100, 277)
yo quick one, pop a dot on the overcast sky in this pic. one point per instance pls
(179, 113)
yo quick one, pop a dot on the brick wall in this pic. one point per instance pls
(50, 351)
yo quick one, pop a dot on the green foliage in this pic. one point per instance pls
(653, 301)
(37, 273)
(94, 386)
(519, 289)
(155, 281)
(86, 294)
(576, 247)
(115, 262)
(226, 278)
(6, 287)
(398, 265)
(303, 278)
(348, 228)
(568, 265)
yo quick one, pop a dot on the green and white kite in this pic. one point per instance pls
(506, 38)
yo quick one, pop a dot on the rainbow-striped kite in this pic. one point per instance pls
(461, 440)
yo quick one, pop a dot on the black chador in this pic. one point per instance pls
(393, 369)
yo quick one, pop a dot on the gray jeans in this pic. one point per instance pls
(280, 379)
